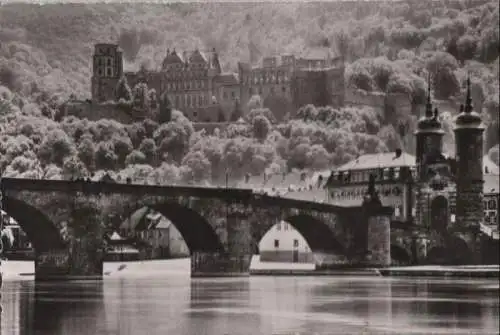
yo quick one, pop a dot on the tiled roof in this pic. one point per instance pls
(228, 79)
(382, 160)
(316, 53)
(491, 183)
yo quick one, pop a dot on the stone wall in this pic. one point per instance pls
(220, 227)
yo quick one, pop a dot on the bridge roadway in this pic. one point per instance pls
(241, 195)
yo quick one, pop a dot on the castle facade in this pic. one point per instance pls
(195, 83)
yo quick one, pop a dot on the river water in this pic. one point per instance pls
(175, 304)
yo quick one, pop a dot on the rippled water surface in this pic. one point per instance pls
(257, 305)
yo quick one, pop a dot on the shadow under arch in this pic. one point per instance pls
(459, 251)
(194, 228)
(316, 233)
(436, 255)
(41, 232)
(400, 255)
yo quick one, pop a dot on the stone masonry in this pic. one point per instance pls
(65, 221)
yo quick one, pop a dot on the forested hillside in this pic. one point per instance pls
(45, 54)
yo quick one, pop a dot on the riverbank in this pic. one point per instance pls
(463, 271)
(24, 270)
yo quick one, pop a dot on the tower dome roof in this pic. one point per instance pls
(430, 123)
(468, 118)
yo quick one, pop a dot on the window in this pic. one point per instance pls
(285, 226)
(109, 61)
(108, 72)
(296, 243)
(99, 72)
(276, 243)
(278, 226)
(492, 204)
(200, 100)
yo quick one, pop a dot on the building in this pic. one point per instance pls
(430, 190)
(195, 83)
(283, 243)
(347, 184)
(287, 83)
(159, 237)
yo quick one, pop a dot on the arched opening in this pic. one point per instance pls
(161, 231)
(299, 239)
(282, 243)
(399, 255)
(439, 214)
(319, 236)
(40, 231)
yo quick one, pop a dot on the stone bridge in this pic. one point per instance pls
(66, 220)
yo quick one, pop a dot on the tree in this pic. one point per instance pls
(86, 151)
(261, 127)
(237, 112)
(74, 168)
(198, 167)
(342, 44)
(123, 91)
(56, 147)
(165, 109)
(141, 97)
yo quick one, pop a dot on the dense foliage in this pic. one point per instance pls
(45, 55)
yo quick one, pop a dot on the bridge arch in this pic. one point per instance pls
(316, 233)
(42, 232)
(196, 231)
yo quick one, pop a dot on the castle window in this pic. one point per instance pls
(296, 243)
(109, 61)
(99, 72)
(492, 204)
(200, 100)
(108, 72)
(276, 243)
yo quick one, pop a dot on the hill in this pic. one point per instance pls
(45, 55)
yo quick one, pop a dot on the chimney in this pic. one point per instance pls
(399, 152)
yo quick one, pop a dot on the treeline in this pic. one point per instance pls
(33, 145)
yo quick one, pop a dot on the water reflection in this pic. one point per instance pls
(257, 305)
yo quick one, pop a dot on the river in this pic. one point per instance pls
(172, 303)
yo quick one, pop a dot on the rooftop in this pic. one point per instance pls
(381, 160)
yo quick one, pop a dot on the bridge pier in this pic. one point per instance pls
(68, 264)
(235, 260)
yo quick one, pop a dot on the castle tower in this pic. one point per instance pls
(469, 175)
(107, 69)
(429, 137)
